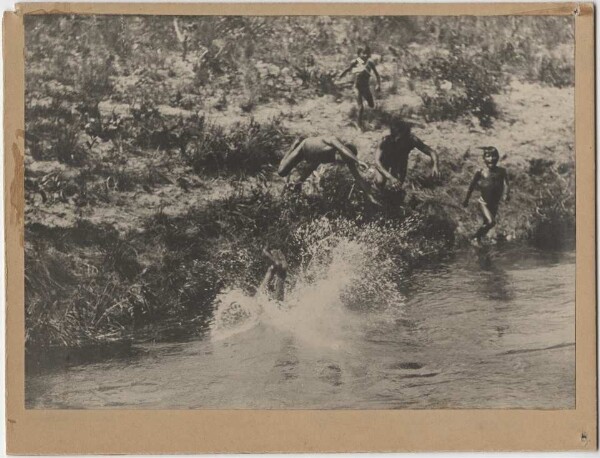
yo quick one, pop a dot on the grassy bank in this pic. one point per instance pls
(90, 283)
(150, 176)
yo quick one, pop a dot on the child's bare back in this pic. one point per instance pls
(325, 149)
(322, 149)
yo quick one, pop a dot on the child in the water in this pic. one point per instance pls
(274, 282)
(492, 182)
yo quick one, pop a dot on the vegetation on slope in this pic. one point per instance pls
(150, 179)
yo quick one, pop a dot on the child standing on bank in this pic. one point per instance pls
(492, 182)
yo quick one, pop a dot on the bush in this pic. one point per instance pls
(464, 86)
(67, 147)
(248, 148)
(150, 129)
(322, 81)
(95, 79)
(245, 148)
(89, 284)
(553, 223)
(539, 166)
(68, 301)
(53, 132)
(556, 72)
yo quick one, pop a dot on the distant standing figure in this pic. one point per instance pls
(491, 182)
(391, 159)
(362, 67)
(315, 151)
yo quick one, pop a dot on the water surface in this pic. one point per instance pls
(487, 329)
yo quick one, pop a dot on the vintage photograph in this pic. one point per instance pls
(299, 212)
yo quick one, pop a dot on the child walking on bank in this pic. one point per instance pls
(492, 182)
(362, 67)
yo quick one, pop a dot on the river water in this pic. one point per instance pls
(485, 329)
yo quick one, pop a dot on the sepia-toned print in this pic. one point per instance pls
(299, 212)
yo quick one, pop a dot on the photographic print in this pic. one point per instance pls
(236, 228)
(299, 212)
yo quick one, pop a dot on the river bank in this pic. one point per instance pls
(164, 249)
(150, 177)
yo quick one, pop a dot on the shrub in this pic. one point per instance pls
(110, 283)
(53, 132)
(123, 259)
(248, 148)
(149, 127)
(255, 89)
(472, 79)
(95, 79)
(556, 72)
(322, 81)
(69, 302)
(553, 223)
(67, 147)
(539, 166)
(325, 82)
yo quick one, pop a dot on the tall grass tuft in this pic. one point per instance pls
(464, 86)
(246, 148)
(553, 222)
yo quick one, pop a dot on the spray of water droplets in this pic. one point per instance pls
(346, 279)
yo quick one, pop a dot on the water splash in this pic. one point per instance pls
(235, 312)
(345, 283)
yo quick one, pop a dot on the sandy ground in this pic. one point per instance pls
(535, 122)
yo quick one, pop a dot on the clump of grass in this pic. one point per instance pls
(464, 85)
(312, 76)
(52, 187)
(69, 302)
(150, 129)
(53, 132)
(552, 225)
(95, 79)
(539, 166)
(247, 148)
(556, 72)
